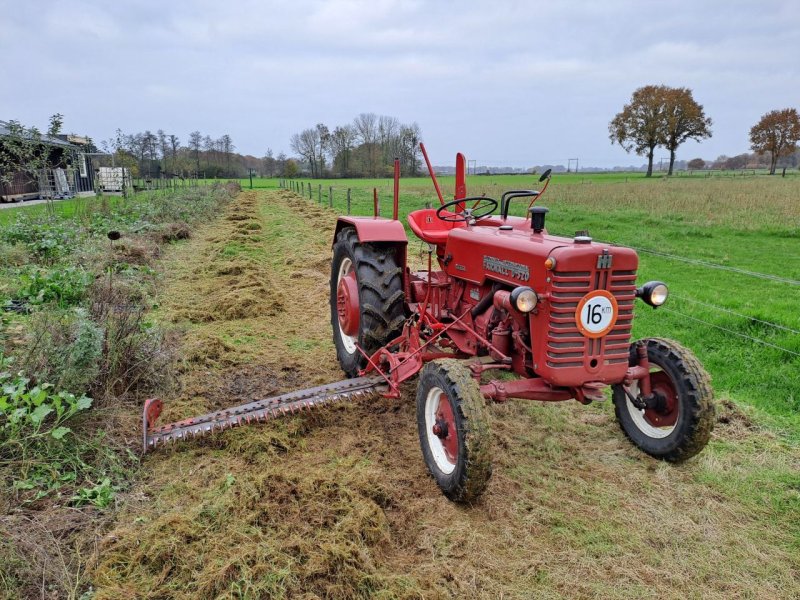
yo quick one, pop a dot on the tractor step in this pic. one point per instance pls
(259, 411)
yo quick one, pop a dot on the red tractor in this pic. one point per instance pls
(507, 297)
(552, 314)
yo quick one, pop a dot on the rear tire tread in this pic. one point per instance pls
(381, 298)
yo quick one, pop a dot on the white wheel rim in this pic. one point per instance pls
(637, 415)
(434, 443)
(348, 341)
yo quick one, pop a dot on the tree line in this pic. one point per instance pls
(662, 116)
(152, 154)
(366, 147)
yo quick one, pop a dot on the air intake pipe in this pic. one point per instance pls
(537, 218)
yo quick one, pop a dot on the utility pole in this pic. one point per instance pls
(569, 164)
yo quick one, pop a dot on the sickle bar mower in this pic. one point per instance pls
(259, 411)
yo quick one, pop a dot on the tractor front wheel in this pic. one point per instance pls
(367, 303)
(678, 423)
(454, 430)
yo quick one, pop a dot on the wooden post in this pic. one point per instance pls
(309, 190)
(319, 193)
(330, 197)
(348, 201)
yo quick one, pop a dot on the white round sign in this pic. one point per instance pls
(596, 313)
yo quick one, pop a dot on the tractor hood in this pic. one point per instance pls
(516, 256)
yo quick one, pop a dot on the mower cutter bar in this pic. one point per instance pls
(259, 411)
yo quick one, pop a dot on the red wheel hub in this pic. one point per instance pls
(665, 415)
(445, 429)
(347, 304)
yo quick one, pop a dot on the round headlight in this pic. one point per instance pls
(655, 293)
(524, 299)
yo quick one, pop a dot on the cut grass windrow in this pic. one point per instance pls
(337, 504)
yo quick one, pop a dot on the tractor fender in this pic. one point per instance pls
(381, 231)
(373, 229)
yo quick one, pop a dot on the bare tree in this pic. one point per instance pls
(410, 137)
(269, 163)
(227, 147)
(388, 137)
(341, 146)
(174, 144)
(163, 147)
(366, 126)
(195, 144)
(777, 132)
(310, 144)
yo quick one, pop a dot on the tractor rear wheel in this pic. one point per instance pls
(454, 430)
(680, 425)
(367, 307)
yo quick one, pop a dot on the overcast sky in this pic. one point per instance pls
(506, 82)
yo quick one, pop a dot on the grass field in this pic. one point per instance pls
(337, 504)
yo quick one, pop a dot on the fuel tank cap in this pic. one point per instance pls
(505, 227)
(583, 239)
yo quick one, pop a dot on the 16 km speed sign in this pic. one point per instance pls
(596, 313)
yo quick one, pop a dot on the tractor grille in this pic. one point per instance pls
(566, 347)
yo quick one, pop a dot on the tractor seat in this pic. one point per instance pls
(430, 228)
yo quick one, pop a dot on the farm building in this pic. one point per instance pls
(62, 167)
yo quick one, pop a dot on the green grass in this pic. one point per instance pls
(748, 223)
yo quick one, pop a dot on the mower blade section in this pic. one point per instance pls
(258, 411)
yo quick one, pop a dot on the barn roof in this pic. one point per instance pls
(5, 131)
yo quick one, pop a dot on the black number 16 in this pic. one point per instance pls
(594, 314)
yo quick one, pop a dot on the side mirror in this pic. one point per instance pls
(545, 175)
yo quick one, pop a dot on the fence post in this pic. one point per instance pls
(319, 193)
(330, 196)
(309, 190)
(348, 201)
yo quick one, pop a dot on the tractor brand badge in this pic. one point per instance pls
(596, 314)
(605, 260)
(507, 268)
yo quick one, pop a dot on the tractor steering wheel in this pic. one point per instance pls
(482, 207)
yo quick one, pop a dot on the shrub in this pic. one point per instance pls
(63, 286)
(136, 354)
(65, 347)
(46, 238)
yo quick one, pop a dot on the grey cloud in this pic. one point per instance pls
(506, 82)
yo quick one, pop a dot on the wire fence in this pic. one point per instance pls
(361, 201)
